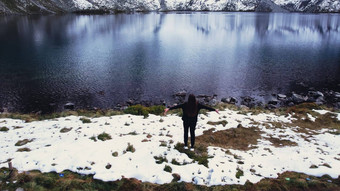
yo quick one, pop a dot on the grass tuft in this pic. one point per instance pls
(160, 159)
(239, 173)
(167, 168)
(145, 111)
(104, 136)
(281, 143)
(130, 148)
(24, 149)
(23, 142)
(223, 122)
(200, 154)
(174, 161)
(65, 130)
(85, 120)
(93, 138)
(4, 129)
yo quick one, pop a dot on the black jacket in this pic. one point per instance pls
(185, 117)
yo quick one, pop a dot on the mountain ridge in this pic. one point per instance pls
(112, 6)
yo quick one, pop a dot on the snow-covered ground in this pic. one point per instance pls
(53, 150)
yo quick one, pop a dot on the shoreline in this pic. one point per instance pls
(157, 110)
(327, 98)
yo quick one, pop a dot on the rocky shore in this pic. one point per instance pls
(326, 97)
(302, 94)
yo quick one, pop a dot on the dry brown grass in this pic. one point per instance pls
(326, 121)
(237, 138)
(35, 180)
(23, 142)
(276, 142)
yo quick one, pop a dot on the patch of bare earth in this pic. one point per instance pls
(240, 138)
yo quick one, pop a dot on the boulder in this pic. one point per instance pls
(315, 94)
(291, 104)
(213, 102)
(259, 104)
(299, 98)
(162, 102)
(281, 96)
(176, 177)
(69, 106)
(337, 105)
(230, 100)
(182, 93)
(320, 101)
(271, 106)
(247, 99)
(337, 95)
(130, 101)
(273, 101)
(225, 100)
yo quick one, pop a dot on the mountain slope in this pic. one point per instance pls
(60, 6)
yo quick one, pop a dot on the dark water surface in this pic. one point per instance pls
(103, 60)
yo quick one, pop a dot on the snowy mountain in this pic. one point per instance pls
(102, 6)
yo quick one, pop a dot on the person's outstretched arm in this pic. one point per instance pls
(200, 106)
(174, 107)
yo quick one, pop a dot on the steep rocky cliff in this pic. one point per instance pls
(109, 6)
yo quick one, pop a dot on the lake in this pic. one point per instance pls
(104, 60)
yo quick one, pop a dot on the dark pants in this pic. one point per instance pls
(192, 125)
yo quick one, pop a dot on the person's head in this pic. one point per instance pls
(191, 98)
(191, 106)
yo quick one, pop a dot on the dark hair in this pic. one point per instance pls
(191, 109)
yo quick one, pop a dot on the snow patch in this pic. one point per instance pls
(55, 150)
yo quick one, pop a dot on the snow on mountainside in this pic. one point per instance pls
(310, 5)
(57, 6)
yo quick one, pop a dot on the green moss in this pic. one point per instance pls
(104, 136)
(130, 148)
(174, 161)
(239, 173)
(156, 109)
(200, 154)
(4, 129)
(145, 111)
(133, 133)
(160, 159)
(85, 120)
(93, 138)
(167, 168)
(137, 110)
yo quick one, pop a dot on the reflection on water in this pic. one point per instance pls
(102, 60)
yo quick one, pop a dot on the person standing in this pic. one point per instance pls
(190, 109)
